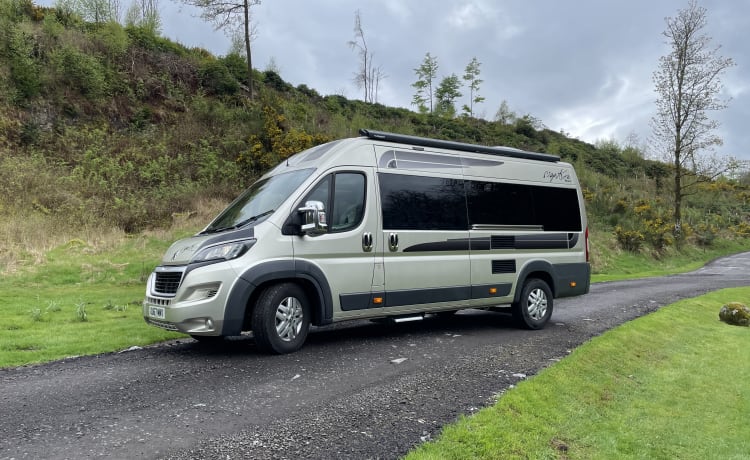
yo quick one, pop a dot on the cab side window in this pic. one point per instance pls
(348, 201)
(343, 196)
(321, 192)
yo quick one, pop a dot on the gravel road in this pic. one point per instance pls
(357, 390)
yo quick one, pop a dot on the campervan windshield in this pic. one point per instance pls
(258, 201)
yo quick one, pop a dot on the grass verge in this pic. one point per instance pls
(668, 385)
(610, 263)
(84, 299)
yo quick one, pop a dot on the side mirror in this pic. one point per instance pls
(313, 218)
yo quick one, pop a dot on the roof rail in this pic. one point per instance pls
(464, 147)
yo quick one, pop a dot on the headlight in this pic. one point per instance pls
(223, 251)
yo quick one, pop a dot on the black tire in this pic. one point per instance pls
(281, 319)
(534, 307)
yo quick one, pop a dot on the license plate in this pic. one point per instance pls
(156, 312)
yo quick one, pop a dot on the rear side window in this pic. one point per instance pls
(439, 203)
(422, 203)
(550, 208)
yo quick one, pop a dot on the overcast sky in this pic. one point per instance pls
(581, 66)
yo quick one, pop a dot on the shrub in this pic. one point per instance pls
(741, 230)
(658, 233)
(30, 133)
(16, 10)
(629, 240)
(705, 234)
(274, 80)
(80, 71)
(735, 313)
(277, 141)
(147, 38)
(20, 51)
(216, 79)
(113, 39)
(237, 66)
(620, 207)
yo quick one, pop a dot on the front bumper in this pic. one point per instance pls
(189, 301)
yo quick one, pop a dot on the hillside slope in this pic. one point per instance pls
(105, 125)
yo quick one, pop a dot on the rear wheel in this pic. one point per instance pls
(281, 318)
(534, 307)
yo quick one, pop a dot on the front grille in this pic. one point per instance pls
(159, 302)
(161, 324)
(166, 283)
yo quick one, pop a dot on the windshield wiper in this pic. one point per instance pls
(252, 219)
(238, 225)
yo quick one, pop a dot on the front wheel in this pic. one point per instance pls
(281, 318)
(534, 307)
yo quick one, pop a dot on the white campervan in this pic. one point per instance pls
(379, 226)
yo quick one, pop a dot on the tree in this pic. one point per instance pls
(504, 114)
(471, 76)
(368, 76)
(96, 11)
(144, 13)
(446, 94)
(231, 15)
(688, 83)
(426, 74)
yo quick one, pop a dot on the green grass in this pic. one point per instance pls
(83, 300)
(44, 304)
(672, 384)
(614, 264)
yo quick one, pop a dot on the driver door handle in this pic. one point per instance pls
(393, 242)
(367, 241)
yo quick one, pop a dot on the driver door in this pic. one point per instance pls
(347, 250)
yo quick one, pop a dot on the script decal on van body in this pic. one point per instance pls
(561, 175)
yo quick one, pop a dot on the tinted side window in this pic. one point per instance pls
(493, 203)
(551, 208)
(422, 203)
(557, 208)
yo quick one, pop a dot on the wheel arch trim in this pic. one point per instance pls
(534, 267)
(276, 270)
